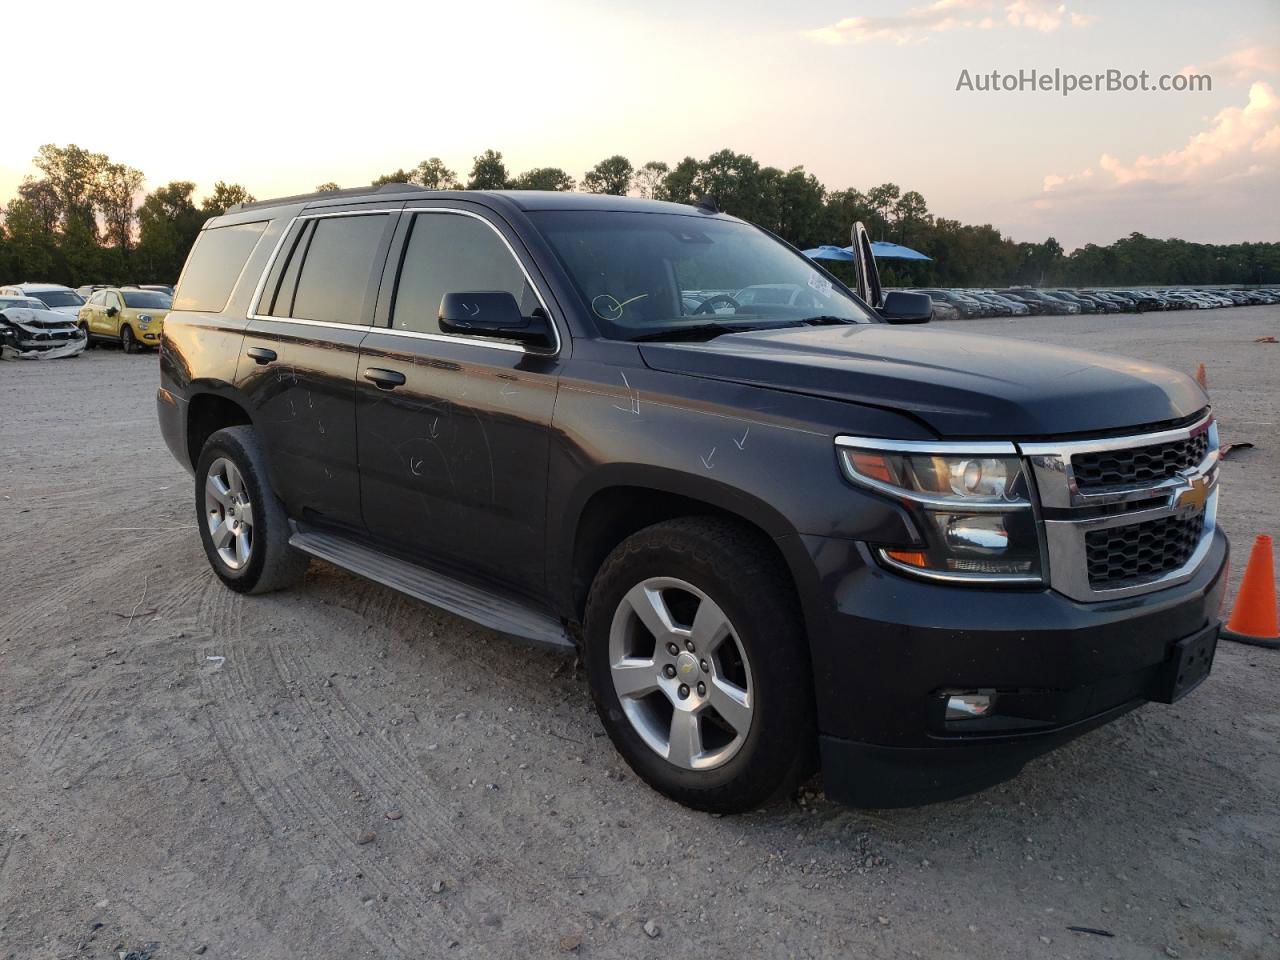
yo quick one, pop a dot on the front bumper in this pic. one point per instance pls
(884, 647)
(43, 350)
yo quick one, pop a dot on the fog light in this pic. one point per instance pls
(969, 706)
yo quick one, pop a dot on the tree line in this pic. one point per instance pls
(76, 222)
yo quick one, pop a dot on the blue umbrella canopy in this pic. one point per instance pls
(880, 249)
(883, 250)
(829, 251)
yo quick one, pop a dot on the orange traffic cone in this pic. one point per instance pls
(1254, 619)
(1202, 378)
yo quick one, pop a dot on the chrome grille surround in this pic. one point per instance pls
(1069, 513)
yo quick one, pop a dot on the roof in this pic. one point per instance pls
(35, 287)
(527, 200)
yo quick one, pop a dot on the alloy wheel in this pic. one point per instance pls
(228, 513)
(681, 673)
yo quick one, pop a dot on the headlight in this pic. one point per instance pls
(144, 320)
(972, 503)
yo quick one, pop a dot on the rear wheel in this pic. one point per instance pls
(127, 340)
(243, 525)
(699, 665)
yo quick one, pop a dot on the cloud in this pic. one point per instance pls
(1240, 141)
(1241, 66)
(942, 16)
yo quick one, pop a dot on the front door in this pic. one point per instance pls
(454, 430)
(299, 355)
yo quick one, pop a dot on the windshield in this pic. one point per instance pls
(22, 303)
(59, 298)
(147, 298)
(643, 275)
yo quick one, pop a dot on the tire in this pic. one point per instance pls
(88, 340)
(250, 549)
(762, 652)
(128, 342)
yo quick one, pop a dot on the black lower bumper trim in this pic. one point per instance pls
(870, 775)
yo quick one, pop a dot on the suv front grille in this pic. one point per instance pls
(1139, 465)
(1140, 552)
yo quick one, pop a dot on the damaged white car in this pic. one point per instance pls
(29, 330)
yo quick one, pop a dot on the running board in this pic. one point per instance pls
(472, 603)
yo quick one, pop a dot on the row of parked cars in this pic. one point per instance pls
(952, 304)
(43, 321)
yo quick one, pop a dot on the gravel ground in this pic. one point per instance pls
(338, 771)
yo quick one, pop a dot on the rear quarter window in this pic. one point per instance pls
(214, 266)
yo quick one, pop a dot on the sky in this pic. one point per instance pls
(282, 97)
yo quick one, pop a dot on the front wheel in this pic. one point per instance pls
(698, 664)
(128, 341)
(243, 525)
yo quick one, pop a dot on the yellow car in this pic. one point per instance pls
(132, 318)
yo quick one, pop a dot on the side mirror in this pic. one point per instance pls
(112, 311)
(902, 307)
(492, 313)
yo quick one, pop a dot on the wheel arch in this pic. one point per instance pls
(622, 502)
(207, 413)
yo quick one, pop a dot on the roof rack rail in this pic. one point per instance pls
(325, 195)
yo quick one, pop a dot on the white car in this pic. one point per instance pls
(29, 330)
(54, 296)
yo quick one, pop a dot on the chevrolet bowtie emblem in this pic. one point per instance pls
(1194, 497)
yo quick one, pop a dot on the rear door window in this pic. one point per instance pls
(214, 266)
(334, 278)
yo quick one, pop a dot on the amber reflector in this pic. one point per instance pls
(912, 558)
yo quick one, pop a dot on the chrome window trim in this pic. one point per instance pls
(486, 342)
(551, 351)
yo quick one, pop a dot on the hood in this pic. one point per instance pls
(960, 385)
(69, 310)
(38, 319)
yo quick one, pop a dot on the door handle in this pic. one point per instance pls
(384, 379)
(261, 355)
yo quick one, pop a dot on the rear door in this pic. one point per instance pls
(299, 356)
(454, 430)
(864, 263)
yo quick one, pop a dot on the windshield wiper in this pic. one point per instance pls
(823, 320)
(694, 331)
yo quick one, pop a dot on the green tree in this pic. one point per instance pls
(434, 175)
(648, 179)
(224, 196)
(398, 176)
(488, 172)
(611, 175)
(881, 200)
(168, 223)
(43, 203)
(543, 178)
(114, 193)
(678, 185)
(909, 214)
(32, 252)
(327, 187)
(72, 174)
